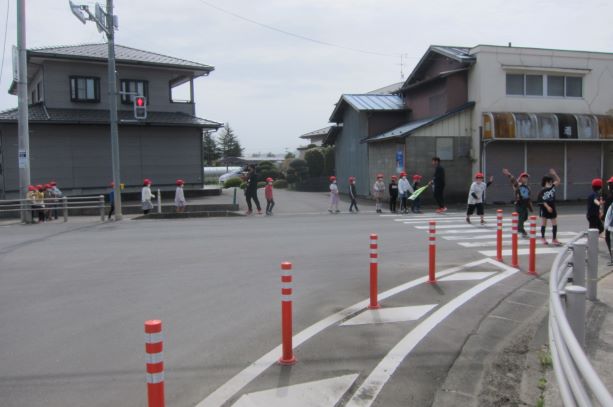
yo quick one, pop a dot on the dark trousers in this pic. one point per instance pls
(438, 197)
(269, 205)
(522, 212)
(595, 223)
(249, 195)
(416, 205)
(403, 203)
(354, 204)
(393, 200)
(112, 211)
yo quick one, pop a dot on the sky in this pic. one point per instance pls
(272, 87)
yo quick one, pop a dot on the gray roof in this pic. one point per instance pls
(460, 54)
(368, 102)
(317, 133)
(99, 52)
(411, 127)
(38, 113)
(389, 89)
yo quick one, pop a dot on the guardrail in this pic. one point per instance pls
(64, 204)
(579, 383)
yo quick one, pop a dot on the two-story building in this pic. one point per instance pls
(69, 119)
(492, 107)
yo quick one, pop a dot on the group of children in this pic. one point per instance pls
(44, 201)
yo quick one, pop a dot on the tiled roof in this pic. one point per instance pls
(38, 113)
(366, 102)
(122, 54)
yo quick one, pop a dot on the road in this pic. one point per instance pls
(73, 299)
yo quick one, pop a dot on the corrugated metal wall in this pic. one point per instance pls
(351, 155)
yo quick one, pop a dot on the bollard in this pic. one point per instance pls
(65, 208)
(579, 264)
(374, 270)
(592, 264)
(101, 204)
(432, 253)
(575, 311)
(499, 235)
(532, 260)
(234, 197)
(287, 357)
(155, 363)
(159, 201)
(514, 238)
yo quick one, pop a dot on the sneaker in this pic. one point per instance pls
(544, 241)
(438, 210)
(524, 235)
(483, 221)
(444, 209)
(556, 242)
(259, 211)
(337, 211)
(330, 210)
(467, 219)
(248, 212)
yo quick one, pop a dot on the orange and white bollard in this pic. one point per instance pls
(432, 252)
(499, 235)
(374, 271)
(532, 261)
(287, 357)
(155, 363)
(514, 239)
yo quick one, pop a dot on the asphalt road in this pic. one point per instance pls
(73, 299)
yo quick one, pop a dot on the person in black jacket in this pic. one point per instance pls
(393, 190)
(251, 191)
(353, 195)
(438, 186)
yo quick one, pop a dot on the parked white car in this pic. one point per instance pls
(231, 174)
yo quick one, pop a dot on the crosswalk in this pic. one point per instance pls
(452, 226)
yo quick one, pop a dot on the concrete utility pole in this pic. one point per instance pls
(23, 131)
(106, 21)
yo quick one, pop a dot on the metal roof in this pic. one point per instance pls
(122, 54)
(460, 54)
(317, 133)
(38, 113)
(368, 102)
(389, 89)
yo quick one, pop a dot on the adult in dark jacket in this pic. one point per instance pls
(438, 186)
(251, 191)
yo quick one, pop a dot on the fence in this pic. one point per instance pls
(53, 207)
(578, 381)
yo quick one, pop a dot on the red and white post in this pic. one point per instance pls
(155, 363)
(432, 252)
(514, 239)
(287, 357)
(532, 261)
(499, 235)
(374, 271)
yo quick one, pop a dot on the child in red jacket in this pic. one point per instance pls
(270, 203)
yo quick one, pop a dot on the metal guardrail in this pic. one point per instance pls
(65, 204)
(579, 383)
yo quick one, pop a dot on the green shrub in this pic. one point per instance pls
(315, 162)
(280, 183)
(261, 184)
(328, 153)
(233, 182)
(298, 171)
(243, 185)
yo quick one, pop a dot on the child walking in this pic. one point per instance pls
(393, 191)
(594, 206)
(270, 203)
(404, 190)
(475, 197)
(416, 203)
(378, 190)
(180, 201)
(333, 196)
(353, 195)
(146, 196)
(547, 203)
(522, 201)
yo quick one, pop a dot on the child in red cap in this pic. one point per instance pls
(270, 203)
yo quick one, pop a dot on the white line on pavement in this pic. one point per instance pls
(523, 251)
(493, 236)
(506, 242)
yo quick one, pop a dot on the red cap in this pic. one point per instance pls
(53, 183)
(180, 182)
(524, 174)
(479, 175)
(31, 188)
(416, 177)
(379, 175)
(332, 178)
(352, 178)
(39, 187)
(394, 177)
(47, 186)
(403, 174)
(269, 179)
(146, 181)
(610, 181)
(596, 183)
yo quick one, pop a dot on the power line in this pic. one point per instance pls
(291, 34)
(6, 27)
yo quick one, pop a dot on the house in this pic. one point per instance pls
(491, 107)
(69, 120)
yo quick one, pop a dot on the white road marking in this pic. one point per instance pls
(493, 236)
(523, 251)
(325, 392)
(467, 231)
(372, 386)
(489, 227)
(245, 376)
(385, 315)
(505, 242)
(468, 276)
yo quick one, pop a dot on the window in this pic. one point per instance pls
(555, 86)
(444, 148)
(515, 84)
(84, 89)
(137, 88)
(534, 85)
(574, 86)
(540, 85)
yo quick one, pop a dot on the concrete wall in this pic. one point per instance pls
(57, 86)
(79, 157)
(351, 156)
(382, 159)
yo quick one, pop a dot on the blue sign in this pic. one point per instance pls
(399, 160)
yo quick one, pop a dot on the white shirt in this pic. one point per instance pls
(477, 189)
(404, 186)
(333, 189)
(146, 194)
(179, 197)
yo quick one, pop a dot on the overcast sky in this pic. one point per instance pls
(271, 87)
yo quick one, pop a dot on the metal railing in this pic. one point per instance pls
(63, 204)
(579, 383)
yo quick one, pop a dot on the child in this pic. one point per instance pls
(522, 201)
(594, 206)
(32, 197)
(333, 196)
(475, 197)
(404, 190)
(378, 190)
(270, 203)
(146, 196)
(547, 203)
(112, 199)
(607, 225)
(353, 195)
(393, 190)
(180, 201)
(57, 194)
(416, 204)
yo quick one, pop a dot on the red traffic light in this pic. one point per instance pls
(140, 101)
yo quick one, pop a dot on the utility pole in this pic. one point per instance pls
(23, 131)
(107, 22)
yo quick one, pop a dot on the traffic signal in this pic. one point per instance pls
(140, 107)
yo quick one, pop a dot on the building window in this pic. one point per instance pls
(84, 89)
(574, 86)
(534, 85)
(555, 86)
(134, 88)
(444, 148)
(515, 84)
(541, 85)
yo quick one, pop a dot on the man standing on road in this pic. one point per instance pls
(438, 186)
(251, 191)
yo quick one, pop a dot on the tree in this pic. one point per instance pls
(298, 171)
(209, 149)
(229, 146)
(267, 169)
(290, 155)
(328, 153)
(315, 161)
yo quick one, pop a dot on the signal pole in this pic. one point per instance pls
(23, 130)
